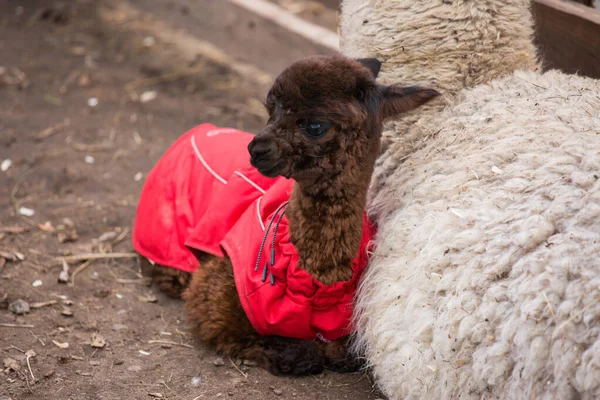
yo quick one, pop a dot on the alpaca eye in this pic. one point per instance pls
(315, 129)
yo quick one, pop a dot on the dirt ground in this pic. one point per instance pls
(81, 128)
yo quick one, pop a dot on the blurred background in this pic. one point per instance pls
(92, 92)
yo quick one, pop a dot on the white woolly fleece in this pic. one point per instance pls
(486, 277)
(446, 45)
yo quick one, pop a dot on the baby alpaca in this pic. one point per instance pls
(271, 288)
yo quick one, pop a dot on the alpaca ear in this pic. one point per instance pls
(398, 100)
(373, 64)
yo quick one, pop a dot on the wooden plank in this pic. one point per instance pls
(278, 15)
(333, 4)
(586, 2)
(568, 35)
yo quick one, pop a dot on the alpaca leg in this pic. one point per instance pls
(217, 317)
(288, 356)
(169, 280)
(338, 358)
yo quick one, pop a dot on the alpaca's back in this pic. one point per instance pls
(488, 250)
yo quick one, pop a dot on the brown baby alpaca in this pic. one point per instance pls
(324, 131)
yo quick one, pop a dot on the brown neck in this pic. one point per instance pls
(326, 218)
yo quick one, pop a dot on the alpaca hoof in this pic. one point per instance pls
(339, 359)
(171, 286)
(293, 357)
(346, 365)
(170, 281)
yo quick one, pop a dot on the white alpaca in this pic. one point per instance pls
(486, 278)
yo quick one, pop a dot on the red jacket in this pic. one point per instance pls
(204, 195)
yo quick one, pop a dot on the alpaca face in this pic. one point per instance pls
(323, 110)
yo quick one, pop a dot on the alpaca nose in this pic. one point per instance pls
(261, 150)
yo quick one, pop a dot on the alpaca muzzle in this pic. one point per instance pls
(263, 154)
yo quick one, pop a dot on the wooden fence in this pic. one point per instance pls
(568, 35)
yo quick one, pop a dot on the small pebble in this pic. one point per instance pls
(89, 159)
(149, 41)
(27, 212)
(63, 277)
(219, 362)
(138, 177)
(98, 341)
(66, 312)
(277, 392)
(92, 102)
(196, 381)
(119, 327)
(148, 96)
(47, 374)
(46, 226)
(137, 138)
(60, 345)
(37, 283)
(6, 164)
(149, 298)
(106, 236)
(19, 307)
